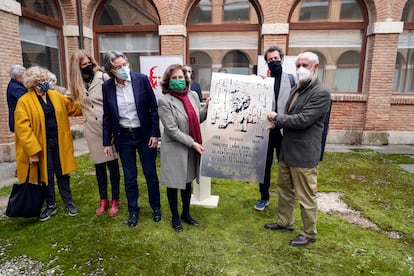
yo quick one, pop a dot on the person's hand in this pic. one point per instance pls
(34, 159)
(271, 126)
(271, 116)
(198, 148)
(108, 151)
(207, 101)
(153, 142)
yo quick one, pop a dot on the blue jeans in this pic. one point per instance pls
(130, 141)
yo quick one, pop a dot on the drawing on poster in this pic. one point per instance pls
(235, 137)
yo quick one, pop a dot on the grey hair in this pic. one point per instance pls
(108, 58)
(52, 77)
(311, 56)
(16, 71)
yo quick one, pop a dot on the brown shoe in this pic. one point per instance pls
(103, 206)
(301, 241)
(275, 226)
(114, 208)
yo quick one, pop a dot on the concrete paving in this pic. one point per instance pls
(7, 169)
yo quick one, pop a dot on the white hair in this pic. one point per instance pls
(16, 71)
(309, 55)
(52, 77)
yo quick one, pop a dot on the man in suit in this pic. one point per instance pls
(131, 122)
(15, 89)
(194, 85)
(283, 84)
(303, 125)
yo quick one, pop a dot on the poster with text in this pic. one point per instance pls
(154, 67)
(235, 136)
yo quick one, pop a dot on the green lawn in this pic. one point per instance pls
(231, 239)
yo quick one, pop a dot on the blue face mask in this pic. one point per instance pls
(43, 86)
(123, 73)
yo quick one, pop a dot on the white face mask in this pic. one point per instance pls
(303, 74)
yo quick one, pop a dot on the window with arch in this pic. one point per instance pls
(40, 28)
(219, 29)
(336, 29)
(236, 62)
(201, 64)
(347, 70)
(404, 67)
(127, 26)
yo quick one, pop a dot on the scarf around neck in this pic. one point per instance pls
(193, 122)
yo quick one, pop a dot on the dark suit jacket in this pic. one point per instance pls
(195, 86)
(303, 126)
(15, 90)
(145, 103)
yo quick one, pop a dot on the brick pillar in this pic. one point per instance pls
(379, 73)
(10, 53)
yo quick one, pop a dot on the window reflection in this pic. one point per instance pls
(44, 7)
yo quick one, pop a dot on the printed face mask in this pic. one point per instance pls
(303, 74)
(43, 86)
(123, 73)
(88, 70)
(275, 67)
(177, 85)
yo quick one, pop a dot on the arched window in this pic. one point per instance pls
(236, 62)
(218, 28)
(40, 33)
(201, 65)
(128, 26)
(347, 72)
(404, 74)
(336, 29)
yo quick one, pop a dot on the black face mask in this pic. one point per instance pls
(88, 70)
(275, 67)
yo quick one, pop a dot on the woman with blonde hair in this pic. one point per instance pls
(43, 138)
(85, 87)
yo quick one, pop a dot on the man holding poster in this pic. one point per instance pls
(284, 82)
(236, 137)
(300, 153)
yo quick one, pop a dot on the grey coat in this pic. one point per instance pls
(92, 109)
(303, 125)
(178, 158)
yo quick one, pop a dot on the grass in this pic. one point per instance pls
(231, 239)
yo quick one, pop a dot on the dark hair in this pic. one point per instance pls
(108, 58)
(167, 75)
(272, 49)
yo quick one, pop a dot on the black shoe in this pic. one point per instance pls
(72, 210)
(176, 224)
(190, 221)
(302, 241)
(133, 220)
(275, 226)
(156, 215)
(47, 213)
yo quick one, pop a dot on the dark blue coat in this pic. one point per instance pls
(15, 90)
(145, 102)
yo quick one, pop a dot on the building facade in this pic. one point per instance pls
(364, 46)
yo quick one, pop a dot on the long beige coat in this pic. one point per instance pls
(176, 143)
(92, 108)
(30, 134)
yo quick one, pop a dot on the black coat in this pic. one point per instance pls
(15, 90)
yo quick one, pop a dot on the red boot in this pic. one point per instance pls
(114, 208)
(104, 204)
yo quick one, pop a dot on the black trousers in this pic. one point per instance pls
(54, 169)
(275, 141)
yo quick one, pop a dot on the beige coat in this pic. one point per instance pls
(92, 108)
(30, 134)
(178, 160)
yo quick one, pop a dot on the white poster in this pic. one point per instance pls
(154, 67)
(289, 65)
(236, 138)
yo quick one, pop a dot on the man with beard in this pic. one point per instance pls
(283, 84)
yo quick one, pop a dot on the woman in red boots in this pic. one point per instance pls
(86, 80)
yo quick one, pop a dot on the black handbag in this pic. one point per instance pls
(26, 199)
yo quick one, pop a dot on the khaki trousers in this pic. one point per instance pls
(301, 184)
